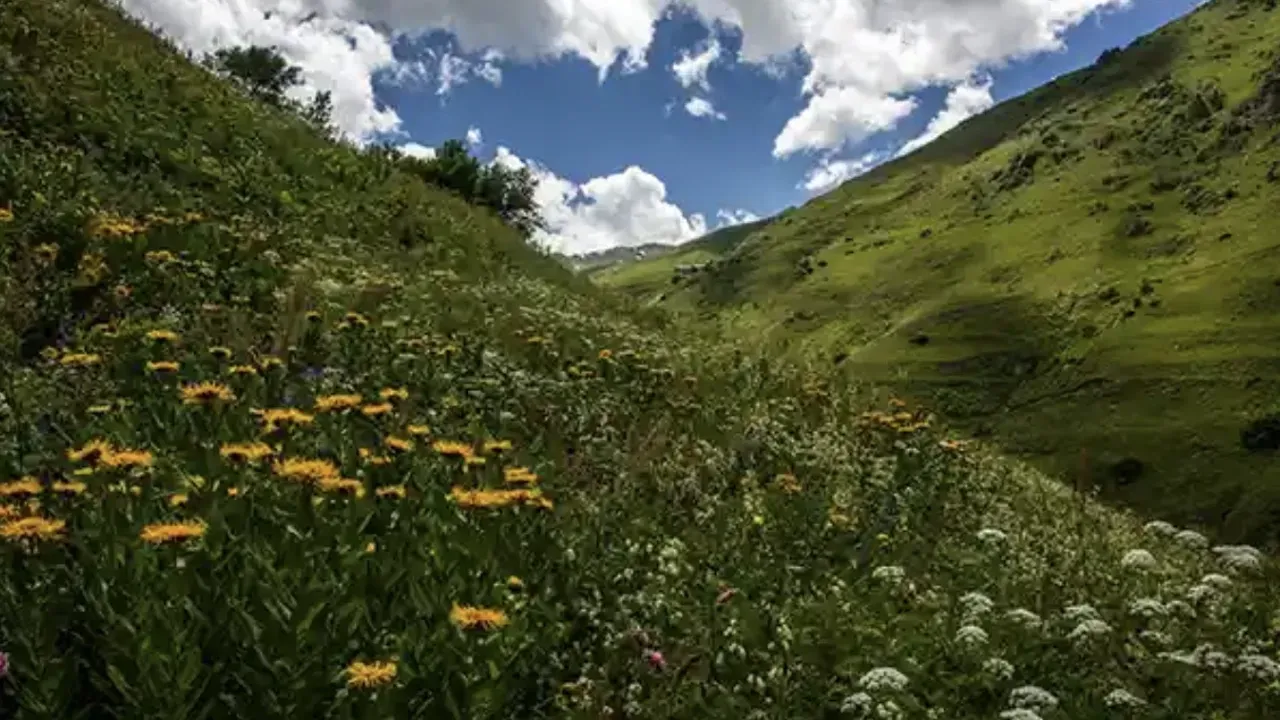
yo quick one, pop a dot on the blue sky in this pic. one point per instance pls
(807, 92)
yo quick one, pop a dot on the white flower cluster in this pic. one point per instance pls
(1259, 667)
(992, 536)
(1138, 559)
(1148, 608)
(1191, 539)
(975, 605)
(1087, 630)
(971, 635)
(998, 668)
(1024, 618)
(1204, 657)
(1080, 613)
(1239, 558)
(889, 574)
(1032, 697)
(1121, 698)
(883, 678)
(1160, 527)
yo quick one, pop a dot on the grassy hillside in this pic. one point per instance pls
(1090, 269)
(653, 278)
(287, 434)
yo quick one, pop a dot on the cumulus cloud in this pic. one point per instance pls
(691, 69)
(964, 101)
(701, 107)
(625, 209)
(837, 116)
(726, 218)
(473, 136)
(419, 151)
(831, 173)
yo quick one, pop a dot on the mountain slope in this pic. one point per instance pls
(285, 433)
(1088, 269)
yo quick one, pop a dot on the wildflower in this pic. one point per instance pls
(1138, 559)
(858, 703)
(390, 394)
(497, 446)
(127, 458)
(371, 547)
(270, 362)
(233, 492)
(477, 618)
(4, 665)
(9, 512)
(306, 471)
(519, 476)
(277, 418)
(80, 359)
(494, 498)
(998, 667)
(473, 461)
(99, 409)
(452, 448)
(162, 336)
(1087, 630)
(418, 430)
(46, 252)
(605, 354)
(1214, 580)
(515, 584)
(1239, 557)
(159, 257)
(91, 452)
(178, 499)
(1121, 698)
(6, 215)
(313, 316)
(1077, 613)
(396, 491)
(370, 675)
(992, 536)
(398, 444)
(976, 605)
(1259, 667)
(1160, 527)
(1191, 539)
(245, 452)
(341, 486)
(242, 370)
(787, 483)
(1019, 714)
(69, 488)
(33, 528)
(20, 488)
(891, 574)
(220, 353)
(656, 659)
(882, 678)
(206, 393)
(337, 403)
(1147, 608)
(971, 635)
(1031, 697)
(158, 533)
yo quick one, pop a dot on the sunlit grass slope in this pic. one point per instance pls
(1092, 268)
(284, 434)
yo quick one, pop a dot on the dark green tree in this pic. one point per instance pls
(267, 76)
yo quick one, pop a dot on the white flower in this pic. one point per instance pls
(1024, 618)
(1088, 629)
(1147, 608)
(1203, 657)
(883, 678)
(857, 703)
(1078, 613)
(1121, 698)
(1155, 637)
(1138, 559)
(1178, 607)
(1191, 539)
(998, 667)
(1033, 698)
(1221, 582)
(975, 605)
(1259, 667)
(1199, 593)
(1160, 527)
(888, 710)
(1020, 714)
(1239, 557)
(971, 635)
(891, 574)
(992, 536)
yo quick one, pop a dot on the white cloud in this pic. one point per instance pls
(455, 70)
(418, 151)
(691, 69)
(473, 136)
(725, 218)
(701, 107)
(626, 209)
(831, 173)
(837, 116)
(964, 101)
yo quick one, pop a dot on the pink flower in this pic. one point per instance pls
(4, 664)
(656, 660)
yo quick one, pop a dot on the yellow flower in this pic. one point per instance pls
(788, 483)
(393, 394)
(398, 444)
(206, 393)
(160, 257)
(99, 409)
(219, 352)
(276, 418)
(376, 410)
(606, 354)
(233, 492)
(397, 491)
(9, 512)
(473, 461)
(158, 533)
(515, 584)
(46, 252)
(418, 430)
(497, 446)
(162, 336)
(82, 472)
(477, 618)
(33, 528)
(337, 403)
(271, 362)
(162, 366)
(371, 547)
(127, 458)
(355, 318)
(242, 370)
(69, 488)
(245, 452)
(306, 471)
(6, 215)
(313, 316)
(370, 675)
(20, 488)
(519, 476)
(80, 359)
(497, 498)
(194, 481)
(178, 499)
(342, 486)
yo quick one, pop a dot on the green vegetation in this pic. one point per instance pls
(1089, 269)
(286, 432)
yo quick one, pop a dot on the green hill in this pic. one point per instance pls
(286, 433)
(1089, 269)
